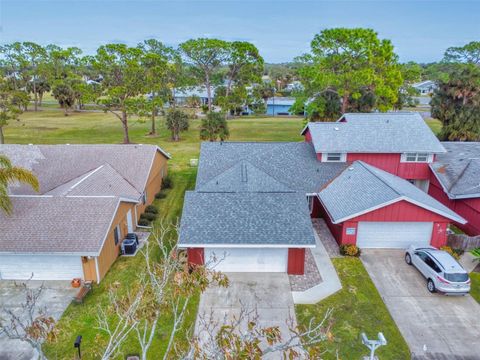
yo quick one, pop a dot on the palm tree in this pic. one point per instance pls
(10, 174)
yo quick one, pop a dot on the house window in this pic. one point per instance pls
(144, 197)
(117, 234)
(334, 157)
(417, 157)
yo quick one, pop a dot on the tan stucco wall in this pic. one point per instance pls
(110, 251)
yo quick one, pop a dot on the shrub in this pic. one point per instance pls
(160, 195)
(349, 250)
(143, 222)
(167, 182)
(452, 252)
(148, 216)
(151, 209)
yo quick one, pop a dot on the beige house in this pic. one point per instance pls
(90, 197)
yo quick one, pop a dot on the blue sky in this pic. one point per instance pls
(420, 30)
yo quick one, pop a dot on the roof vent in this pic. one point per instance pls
(350, 168)
(336, 128)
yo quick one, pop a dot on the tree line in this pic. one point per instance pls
(346, 70)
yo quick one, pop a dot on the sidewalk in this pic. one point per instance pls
(330, 282)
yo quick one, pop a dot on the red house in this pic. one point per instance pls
(366, 175)
(400, 143)
(372, 208)
(455, 182)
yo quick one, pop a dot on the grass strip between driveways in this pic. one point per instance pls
(357, 308)
(475, 286)
(81, 319)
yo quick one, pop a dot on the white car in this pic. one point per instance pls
(442, 271)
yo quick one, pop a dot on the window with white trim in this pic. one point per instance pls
(417, 157)
(334, 157)
(144, 197)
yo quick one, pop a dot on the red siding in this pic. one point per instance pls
(296, 261)
(392, 164)
(400, 211)
(317, 208)
(439, 235)
(308, 136)
(387, 162)
(469, 209)
(195, 256)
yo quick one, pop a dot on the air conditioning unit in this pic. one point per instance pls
(129, 247)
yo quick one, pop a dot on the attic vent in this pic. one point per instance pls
(244, 173)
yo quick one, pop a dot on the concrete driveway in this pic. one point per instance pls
(56, 296)
(268, 293)
(447, 327)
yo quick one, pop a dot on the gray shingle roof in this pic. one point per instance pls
(245, 219)
(55, 165)
(99, 182)
(458, 170)
(375, 133)
(243, 177)
(290, 164)
(59, 224)
(362, 187)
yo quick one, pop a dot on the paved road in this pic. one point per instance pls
(268, 293)
(446, 326)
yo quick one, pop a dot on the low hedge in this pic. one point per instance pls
(151, 209)
(148, 216)
(143, 222)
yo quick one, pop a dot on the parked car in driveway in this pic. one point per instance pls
(443, 273)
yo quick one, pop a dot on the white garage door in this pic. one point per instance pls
(249, 259)
(43, 267)
(398, 235)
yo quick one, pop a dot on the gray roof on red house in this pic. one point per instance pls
(458, 170)
(245, 218)
(57, 224)
(374, 133)
(270, 167)
(362, 188)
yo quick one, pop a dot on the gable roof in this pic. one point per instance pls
(243, 177)
(248, 218)
(290, 164)
(374, 133)
(56, 165)
(81, 187)
(363, 188)
(458, 170)
(57, 224)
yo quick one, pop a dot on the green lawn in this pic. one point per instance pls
(81, 319)
(52, 127)
(475, 290)
(357, 308)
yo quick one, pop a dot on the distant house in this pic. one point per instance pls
(280, 105)
(90, 197)
(294, 86)
(425, 87)
(182, 95)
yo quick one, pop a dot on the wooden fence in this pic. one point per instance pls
(464, 242)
